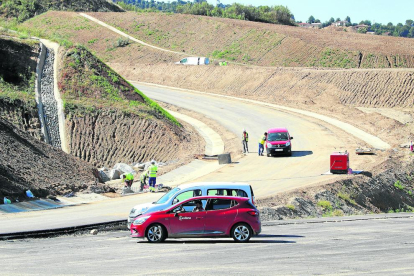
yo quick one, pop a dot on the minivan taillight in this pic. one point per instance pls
(253, 213)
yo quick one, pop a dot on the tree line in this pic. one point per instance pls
(399, 30)
(266, 14)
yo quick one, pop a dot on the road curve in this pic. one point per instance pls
(312, 143)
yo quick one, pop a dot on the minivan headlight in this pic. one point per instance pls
(269, 145)
(287, 144)
(140, 220)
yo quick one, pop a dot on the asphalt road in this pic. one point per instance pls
(369, 247)
(312, 144)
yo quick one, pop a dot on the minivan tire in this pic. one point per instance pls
(156, 233)
(241, 232)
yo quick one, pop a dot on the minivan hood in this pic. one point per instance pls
(141, 209)
(278, 142)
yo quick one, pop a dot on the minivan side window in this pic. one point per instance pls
(227, 192)
(183, 60)
(188, 194)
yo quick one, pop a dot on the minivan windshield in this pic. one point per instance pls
(277, 136)
(167, 196)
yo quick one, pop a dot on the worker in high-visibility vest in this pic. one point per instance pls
(128, 178)
(152, 170)
(261, 143)
(245, 140)
(143, 180)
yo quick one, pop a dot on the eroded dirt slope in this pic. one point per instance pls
(106, 137)
(27, 163)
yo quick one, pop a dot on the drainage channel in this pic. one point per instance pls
(47, 99)
(83, 229)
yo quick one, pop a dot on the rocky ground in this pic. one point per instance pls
(27, 163)
(48, 99)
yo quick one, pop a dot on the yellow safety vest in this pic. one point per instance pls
(143, 175)
(262, 141)
(129, 176)
(245, 137)
(153, 171)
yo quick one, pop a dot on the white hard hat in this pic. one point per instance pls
(152, 161)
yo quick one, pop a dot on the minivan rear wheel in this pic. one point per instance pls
(241, 232)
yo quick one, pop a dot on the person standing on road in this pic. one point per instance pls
(245, 140)
(261, 143)
(128, 178)
(153, 169)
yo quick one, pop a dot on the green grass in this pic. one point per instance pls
(86, 81)
(290, 207)
(25, 92)
(326, 205)
(398, 185)
(346, 197)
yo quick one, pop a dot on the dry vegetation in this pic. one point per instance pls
(264, 44)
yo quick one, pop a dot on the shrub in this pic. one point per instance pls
(290, 207)
(122, 42)
(326, 205)
(338, 213)
(398, 185)
(346, 197)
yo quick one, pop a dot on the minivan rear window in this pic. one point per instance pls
(227, 192)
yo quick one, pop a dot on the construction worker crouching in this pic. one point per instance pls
(143, 180)
(128, 178)
(153, 169)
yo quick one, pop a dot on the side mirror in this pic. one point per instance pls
(291, 138)
(176, 214)
(175, 201)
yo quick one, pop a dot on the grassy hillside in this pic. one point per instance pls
(85, 80)
(264, 44)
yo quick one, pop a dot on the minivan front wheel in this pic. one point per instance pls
(156, 233)
(242, 232)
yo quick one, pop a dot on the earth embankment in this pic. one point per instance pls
(109, 121)
(106, 137)
(27, 163)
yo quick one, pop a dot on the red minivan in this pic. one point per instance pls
(199, 217)
(278, 142)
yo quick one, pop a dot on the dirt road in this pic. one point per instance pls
(312, 144)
